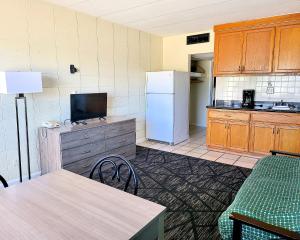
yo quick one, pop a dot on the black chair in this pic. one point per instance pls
(3, 181)
(119, 165)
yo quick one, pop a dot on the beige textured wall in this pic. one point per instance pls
(176, 53)
(37, 36)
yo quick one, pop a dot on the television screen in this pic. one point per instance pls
(87, 106)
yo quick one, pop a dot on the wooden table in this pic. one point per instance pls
(64, 205)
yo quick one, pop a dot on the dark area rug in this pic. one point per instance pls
(195, 191)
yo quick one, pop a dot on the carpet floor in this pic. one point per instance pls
(195, 191)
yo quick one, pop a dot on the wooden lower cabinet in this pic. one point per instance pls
(238, 135)
(230, 134)
(262, 138)
(288, 139)
(256, 132)
(266, 137)
(217, 133)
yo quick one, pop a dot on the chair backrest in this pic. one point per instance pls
(3, 181)
(119, 165)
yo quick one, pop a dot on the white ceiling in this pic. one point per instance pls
(172, 17)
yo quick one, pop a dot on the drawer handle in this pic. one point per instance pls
(86, 165)
(227, 115)
(86, 136)
(85, 152)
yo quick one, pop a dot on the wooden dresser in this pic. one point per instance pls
(77, 148)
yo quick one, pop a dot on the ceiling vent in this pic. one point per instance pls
(199, 38)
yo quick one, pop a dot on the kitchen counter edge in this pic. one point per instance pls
(253, 109)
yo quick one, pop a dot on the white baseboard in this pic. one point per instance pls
(25, 178)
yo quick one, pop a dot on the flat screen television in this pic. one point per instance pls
(87, 106)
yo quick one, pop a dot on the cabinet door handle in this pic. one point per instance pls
(278, 131)
(273, 130)
(239, 68)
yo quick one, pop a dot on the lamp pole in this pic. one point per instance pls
(22, 96)
(19, 83)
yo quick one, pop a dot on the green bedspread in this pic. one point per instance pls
(271, 194)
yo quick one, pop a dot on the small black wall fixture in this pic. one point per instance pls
(73, 69)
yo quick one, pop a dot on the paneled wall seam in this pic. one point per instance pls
(127, 62)
(78, 50)
(140, 66)
(151, 67)
(98, 55)
(57, 62)
(28, 35)
(114, 60)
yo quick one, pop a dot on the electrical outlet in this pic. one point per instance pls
(270, 88)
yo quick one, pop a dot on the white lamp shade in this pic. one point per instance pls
(20, 82)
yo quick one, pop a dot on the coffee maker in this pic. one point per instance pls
(248, 98)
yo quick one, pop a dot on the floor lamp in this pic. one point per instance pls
(20, 83)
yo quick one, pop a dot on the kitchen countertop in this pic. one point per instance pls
(261, 109)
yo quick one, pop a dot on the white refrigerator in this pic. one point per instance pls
(167, 109)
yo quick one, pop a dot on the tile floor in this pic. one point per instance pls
(195, 146)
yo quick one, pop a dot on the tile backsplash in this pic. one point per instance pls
(286, 88)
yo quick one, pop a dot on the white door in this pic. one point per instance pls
(160, 117)
(160, 82)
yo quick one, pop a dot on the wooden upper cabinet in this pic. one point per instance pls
(228, 53)
(266, 45)
(258, 50)
(287, 49)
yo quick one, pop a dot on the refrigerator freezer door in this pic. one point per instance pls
(160, 117)
(160, 82)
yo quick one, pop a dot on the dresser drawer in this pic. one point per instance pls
(120, 128)
(81, 152)
(128, 151)
(229, 115)
(120, 141)
(84, 166)
(81, 137)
